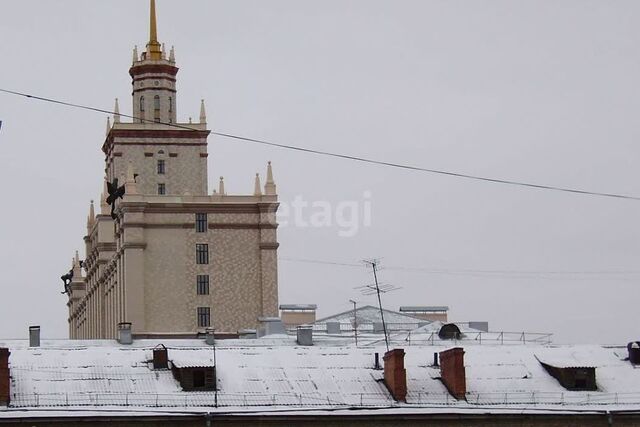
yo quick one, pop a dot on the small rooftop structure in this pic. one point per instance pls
(433, 313)
(294, 315)
(369, 319)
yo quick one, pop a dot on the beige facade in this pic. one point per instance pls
(176, 259)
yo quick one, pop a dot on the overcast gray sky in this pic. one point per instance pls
(539, 91)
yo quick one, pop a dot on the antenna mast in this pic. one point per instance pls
(374, 266)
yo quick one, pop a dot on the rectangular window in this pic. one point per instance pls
(202, 253)
(162, 189)
(161, 168)
(203, 284)
(201, 223)
(198, 379)
(204, 317)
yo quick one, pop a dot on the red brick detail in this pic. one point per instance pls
(174, 154)
(395, 376)
(153, 69)
(453, 372)
(5, 377)
(204, 154)
(154, 77)
(145, 89)
(159, 133)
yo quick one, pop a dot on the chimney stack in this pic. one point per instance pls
(124, 333)
(34, 336)
(5, 377)
(395, 376)
(453, 373)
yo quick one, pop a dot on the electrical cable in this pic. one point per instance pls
(338, 155)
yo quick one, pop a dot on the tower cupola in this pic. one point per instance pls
(154, 79)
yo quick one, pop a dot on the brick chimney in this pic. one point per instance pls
(5, 378)
(395, 376)
(452, 372)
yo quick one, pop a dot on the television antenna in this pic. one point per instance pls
(376, 289)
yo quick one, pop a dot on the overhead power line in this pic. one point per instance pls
(338, 155)
(538, 274)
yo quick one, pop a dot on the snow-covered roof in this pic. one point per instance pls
(370, 314)
(572, 357)
(191, 357)
(100, 374)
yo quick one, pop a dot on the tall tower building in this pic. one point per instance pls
(168, 257)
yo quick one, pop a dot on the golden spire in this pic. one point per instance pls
(154, 49)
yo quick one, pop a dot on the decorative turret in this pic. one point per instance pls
(221, 187)
(172, 55)
(77, 269)
(136, 57)
(108, 125)
(154, 80)
(203, 113)
(257, 191)
(104, 206)
(270, 185)
(91, 219)
(116, 112)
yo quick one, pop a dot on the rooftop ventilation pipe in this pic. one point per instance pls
(124, 333)
(210, 339)
(376, 361)
(305, 335)
(34, 336)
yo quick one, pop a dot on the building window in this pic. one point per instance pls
(202, 253)
(204, 317)
(201, 222)
(156, 108)
(161, 168)
(162, 189)
(142, 103)
(198, 379)
(203, 284)
(170, 104)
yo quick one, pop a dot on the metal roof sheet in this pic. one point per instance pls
(425, 308)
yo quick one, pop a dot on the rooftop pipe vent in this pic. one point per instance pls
(124, 333)
(210, 339)
(34, 336)
(305, 335)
